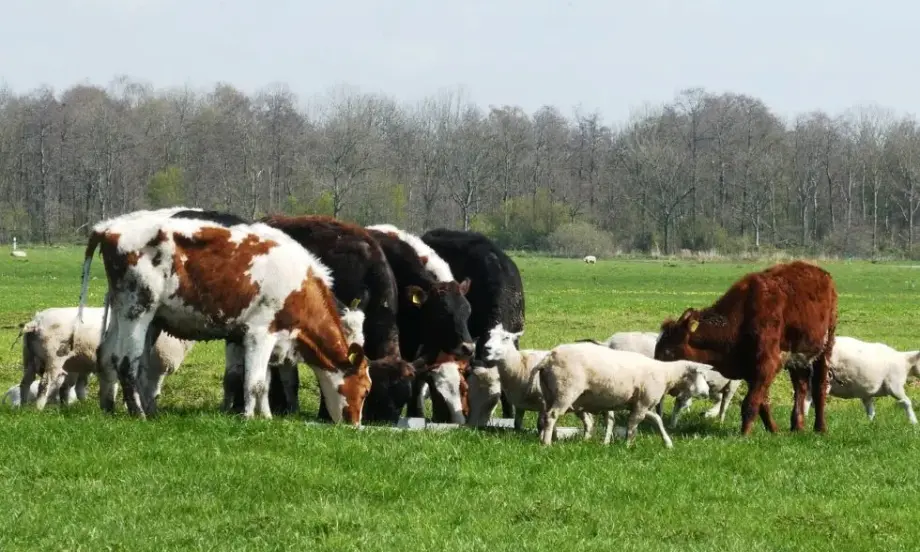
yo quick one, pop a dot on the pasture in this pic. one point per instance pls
(195, 479)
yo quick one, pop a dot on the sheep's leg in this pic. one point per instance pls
(664, 434)
(508, 409)
(66, 394)
(80, 386)
(680, 405)
(902, 398)
(51, 381)
(608, 431)
(632, 422)
(234, 367)
(869, 405)
(551, 416)
(259, 345)
(588, 421)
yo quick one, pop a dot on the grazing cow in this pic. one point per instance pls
(433, 311)
(201, 276)
(497, 295)
(786, 314)
(360, 271)
(590, 259)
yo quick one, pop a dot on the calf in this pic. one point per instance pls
(786, 314)
(865, 370)
(433, 311)
(497, 297)
(199, 276)
(589, 378)
(63, 354)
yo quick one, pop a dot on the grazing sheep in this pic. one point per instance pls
(865, 370)
(587, 378)
(590, 259)
(63, 356)
(721, 389)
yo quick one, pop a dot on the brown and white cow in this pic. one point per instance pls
(784, 315)
(200, 275)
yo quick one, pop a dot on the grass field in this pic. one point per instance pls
(198, 480)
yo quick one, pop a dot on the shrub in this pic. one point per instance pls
(578, 239)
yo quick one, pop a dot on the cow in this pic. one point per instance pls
(433, 311)
(497, 296)
(200, 275)
(783, 315)
(360, 271)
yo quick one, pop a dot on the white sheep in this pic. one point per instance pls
(485, 390)
(586, 377)
(865, 370)
(590, 259)
(13, 398)
(63, 354)
(721, 389)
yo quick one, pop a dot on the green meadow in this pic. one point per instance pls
(194, 479)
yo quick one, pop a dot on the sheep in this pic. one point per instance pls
(484, 393)
(515, 371)
(585, 377)
(865, 370)
(63, 356)
(721, 389)
(590, 259)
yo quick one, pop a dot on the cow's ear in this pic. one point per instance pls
(355, 354)
(464, 286)
(687, 314)
(416, 295)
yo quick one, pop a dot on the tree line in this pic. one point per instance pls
(704, 171)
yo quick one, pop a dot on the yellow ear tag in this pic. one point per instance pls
(694, 324)
(354, 303)
(351, 357)
(416, 300)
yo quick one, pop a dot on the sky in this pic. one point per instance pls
(612, 56)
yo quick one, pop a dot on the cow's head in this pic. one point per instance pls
(445, 313)
(500, 340)
(392, 388)
(447, 375)
(674, 339)
(352, 384)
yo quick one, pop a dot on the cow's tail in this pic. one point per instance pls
(94, 240)
(16, 339)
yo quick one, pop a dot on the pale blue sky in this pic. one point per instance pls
(607, 55)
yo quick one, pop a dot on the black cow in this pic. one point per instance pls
(359, 270)
(498, 293)
(433, 315)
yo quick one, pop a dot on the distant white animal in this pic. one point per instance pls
(865, 370)
(63, 358)
(590, 259)
(586, 377)
(16, 252)
(721, 389)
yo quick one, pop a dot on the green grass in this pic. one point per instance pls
(195, 479)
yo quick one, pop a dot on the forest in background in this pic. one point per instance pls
(704, 172)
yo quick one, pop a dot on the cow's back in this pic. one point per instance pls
(496, 291)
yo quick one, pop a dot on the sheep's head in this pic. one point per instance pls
(693, 381)
(499, 341)
(913, 363)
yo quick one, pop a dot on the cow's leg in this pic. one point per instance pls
(766, 366)
(107, 361)
(80, 386)
(819, 387)
(150, 375)
(519, 419)
(289, 385)
(234, 367)
(507, 407)
(277, 388)
(904, 400)
(259, 344)
(799, 378)
(131, 358)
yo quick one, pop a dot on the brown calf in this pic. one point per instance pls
(784, 315)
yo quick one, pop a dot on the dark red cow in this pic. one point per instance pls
(784, 315)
